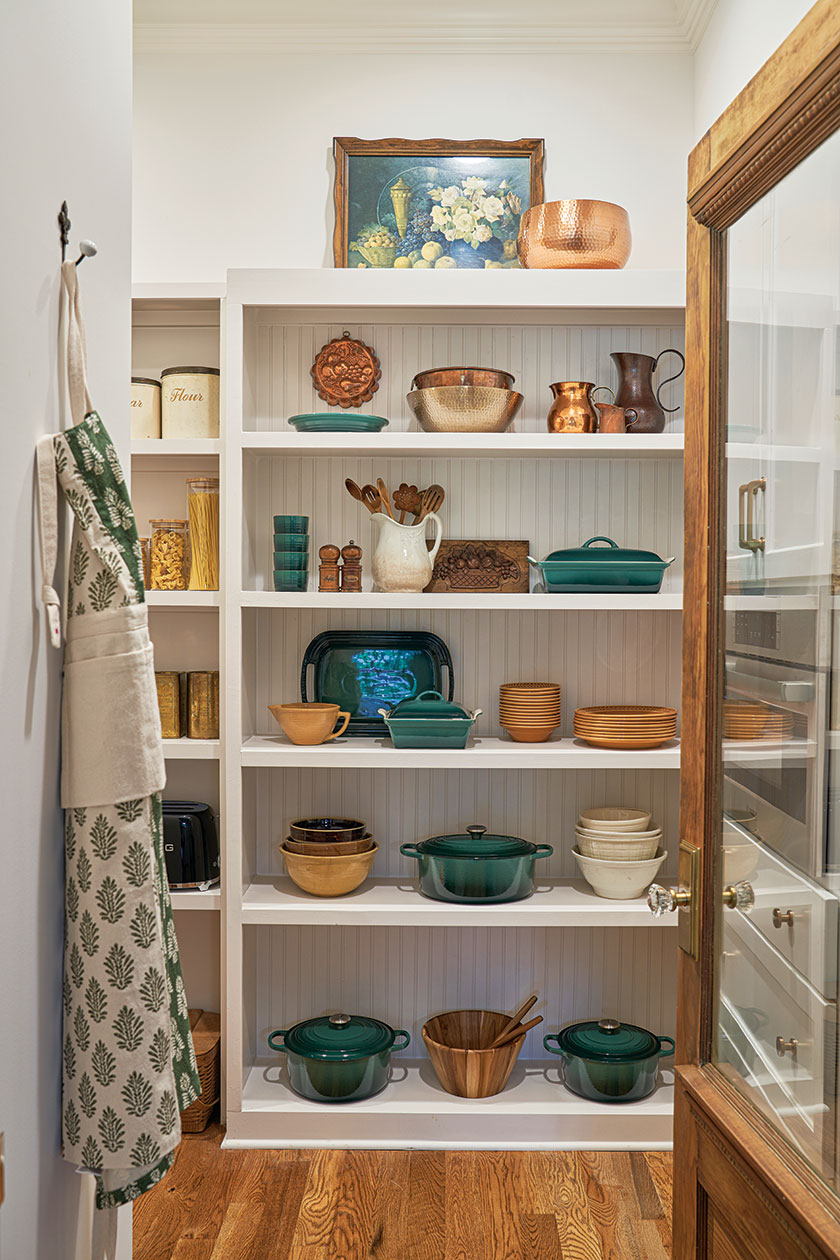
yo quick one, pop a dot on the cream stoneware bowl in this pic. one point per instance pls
(618, 881)
(615, 818)
(596, 834)
(618, 848)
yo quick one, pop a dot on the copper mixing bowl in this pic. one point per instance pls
(464, 408)
(582, 234)
(493, 377)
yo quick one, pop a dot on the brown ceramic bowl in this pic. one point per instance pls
(575, 234)
(463, 376)
(326, 849)
(331, 830)
(531, 734)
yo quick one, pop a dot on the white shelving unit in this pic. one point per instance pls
(386, 950)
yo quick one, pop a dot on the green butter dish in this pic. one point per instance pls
(429, 721)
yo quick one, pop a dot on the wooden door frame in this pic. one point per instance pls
(785, 112)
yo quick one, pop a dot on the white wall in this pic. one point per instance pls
(741, 35)
(232, 143)
(65, 106)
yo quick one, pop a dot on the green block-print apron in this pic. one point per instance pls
(128, 1061)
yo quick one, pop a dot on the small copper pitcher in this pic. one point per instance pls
(613, 419)
(572, 410)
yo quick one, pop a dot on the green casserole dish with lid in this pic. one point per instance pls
(602, 570)
(476, 866)
(429, 721)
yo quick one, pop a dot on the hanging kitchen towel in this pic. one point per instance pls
(128, 1061)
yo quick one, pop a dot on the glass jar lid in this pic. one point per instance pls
(190, 371)
(339, 1037)
(203, 485)
(476, 842)
(608, 1041)
(428, 704)
(167, 522)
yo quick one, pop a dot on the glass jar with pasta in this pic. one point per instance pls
(168, 555)
(203, 512)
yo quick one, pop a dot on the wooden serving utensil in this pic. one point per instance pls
(371, 499)
(432, 502)
(384, 496)
(504, 1037)
(514, 1020)
(407, 499)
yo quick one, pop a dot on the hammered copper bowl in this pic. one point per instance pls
(579, 234)
(434, 377)
(464, 408)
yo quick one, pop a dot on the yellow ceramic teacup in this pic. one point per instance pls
(310, 722)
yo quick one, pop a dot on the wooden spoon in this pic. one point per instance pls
(432, 502)
(384, 496)
(357, 493)
(514, 1020)
(407, 499)
(518, 1031)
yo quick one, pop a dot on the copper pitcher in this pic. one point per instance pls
(614, 419)
(572, 410)
(635, 388)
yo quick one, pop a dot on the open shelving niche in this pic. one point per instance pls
(386, 950)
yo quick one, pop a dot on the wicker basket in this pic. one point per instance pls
(207, 1036)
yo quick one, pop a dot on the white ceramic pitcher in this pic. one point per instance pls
(402, 561)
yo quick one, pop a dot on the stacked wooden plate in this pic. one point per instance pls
(750, 720)
(625, 725)
(529, 712)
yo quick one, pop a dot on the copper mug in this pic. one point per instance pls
(573, 410)
(613, 419)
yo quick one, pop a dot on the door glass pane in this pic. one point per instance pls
(779, 858)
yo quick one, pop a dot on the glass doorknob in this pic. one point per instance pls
(661, 900)
(739, 897)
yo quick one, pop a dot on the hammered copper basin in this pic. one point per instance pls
(464, 408)
(496, 379)
(582, 234)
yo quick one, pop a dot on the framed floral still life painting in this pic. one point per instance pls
(433, 203)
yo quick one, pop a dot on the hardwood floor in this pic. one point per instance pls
(405, 1205)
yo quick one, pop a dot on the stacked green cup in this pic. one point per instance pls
(291, 553)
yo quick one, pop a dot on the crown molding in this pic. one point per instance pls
(457, 39)
(694, 18)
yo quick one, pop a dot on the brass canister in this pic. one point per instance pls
(203, 704)
(169, 702)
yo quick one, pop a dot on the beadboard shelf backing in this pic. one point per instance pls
(597, 657)
(404, 975)
(550, 503)
(534, 1112)
(403, 806)
(280, 347)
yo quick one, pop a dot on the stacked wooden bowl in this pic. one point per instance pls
(328, 857)
(529, 712)
(749, 720)
(625, 725)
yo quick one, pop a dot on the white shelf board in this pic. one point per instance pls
(399, 903)
(174, 295)
(483, 753)
(459, 601)
(518, 289)
(402, 445)
(182, 599)
(191, 749)
(766, 451)
(770, 751)
(744, 602)
(534, 1112)
(194, 899)
(160, 447)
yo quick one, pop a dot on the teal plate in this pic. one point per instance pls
(333, 422)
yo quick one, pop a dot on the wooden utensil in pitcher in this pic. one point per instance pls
(371, 499)
(359, 495)
(432, 502)
(514, 1020)
(384, 496)
(407, 499)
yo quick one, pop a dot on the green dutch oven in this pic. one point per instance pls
(338, 1058)
(593, 570)
(476, 866)
(607, 1061)
(429, 721)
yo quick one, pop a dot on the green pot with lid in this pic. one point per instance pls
(593, 569)
(607, 1061)
(428, 721)
(476, 866)
(338, 1058)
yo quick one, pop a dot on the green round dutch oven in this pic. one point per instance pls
(338, 1058)
(476, 866)
(607, 1061)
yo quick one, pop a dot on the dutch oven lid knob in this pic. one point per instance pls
(476, 831)
(339, 1021)
(609, 1025)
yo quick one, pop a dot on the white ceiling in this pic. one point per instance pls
(653, 23)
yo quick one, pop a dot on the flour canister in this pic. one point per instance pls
(145, 407)
(190, 402)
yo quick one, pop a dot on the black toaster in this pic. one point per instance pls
(190, 844)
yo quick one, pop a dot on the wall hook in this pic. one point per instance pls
(88, 251)
(63, 228)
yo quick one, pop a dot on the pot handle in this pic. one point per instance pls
(410, 850)
(282, 1032)
(552, 1037)
(400, 1032)
(668, 379)
(600, 538)
(608, 388)
(669, 1049)
(544, 850)
(430, 691)
(432, 516)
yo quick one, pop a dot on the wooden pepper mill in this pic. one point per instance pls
(328, 570)
(351, 569)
